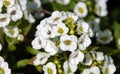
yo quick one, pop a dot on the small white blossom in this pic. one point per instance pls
(92, 70)
(69, 68)
(45, 31)
(9, 3)
(81, 9)
(50, 68)
(60, 29)
(39, 42)
(82, 27)
(99, 56)
(41, 58)
(104, 37)
(83, 42)
(76, 57)
(33, 4)
(1, 5)
(87, 59)
(70, 16)
(4, 20)
(95, 24)
(23, 4)
(28, 17)
(51, 48)
(11, 31)
(4, 69)
(15, 12)
(20, 37)
(0, 46)
(68, 43)
(101, 10)
(63, 2)
(108, 67)
(55, 18)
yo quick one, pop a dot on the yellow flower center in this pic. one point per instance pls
(7, 2)
(106, 71)
(11, 31)
(81, 10)
(1, 71)
(56, 19)
(50, 71)
(104, 38)
(81, 28)
(60, 30)
(67, 42)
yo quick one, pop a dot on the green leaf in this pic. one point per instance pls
(32, 51)
(60, 7)
(22, 63)
(116, 27)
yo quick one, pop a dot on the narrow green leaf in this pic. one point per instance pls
(22, 63)
(32, 51)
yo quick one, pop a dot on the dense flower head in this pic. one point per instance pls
(16, 11)
(65, 30)
(63, 33)
(4, 69)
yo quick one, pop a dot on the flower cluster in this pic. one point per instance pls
(98, 7)
(63, 39)
(14, 12)
(4, 69)
(96, 10)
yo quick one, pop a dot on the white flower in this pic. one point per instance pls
(20, 37)
(108, 67)
(45, 31)
(70, 16)
(99, 56)
(23, 4)
(82, 27)
(104, 37)
(39, 42)
(9, 3)
(92, 70)
(41, 58)
(95, 24)
(101, 10)
(50, 68)
(0, 46)
(68, 42)
(11, 31)
(63, 2)
(28, 17)
(83, 42)
(118, 43)
(86, 71)
(1, 5)
(4, 67)
(15, 12)
(76, 57)
(69, 68)
(81, 9)
(87, 59)
(60, 29)
(33, 4)
(90, 32)
(4, 19)
(55, 18)
(38, 13)
(51, 48)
